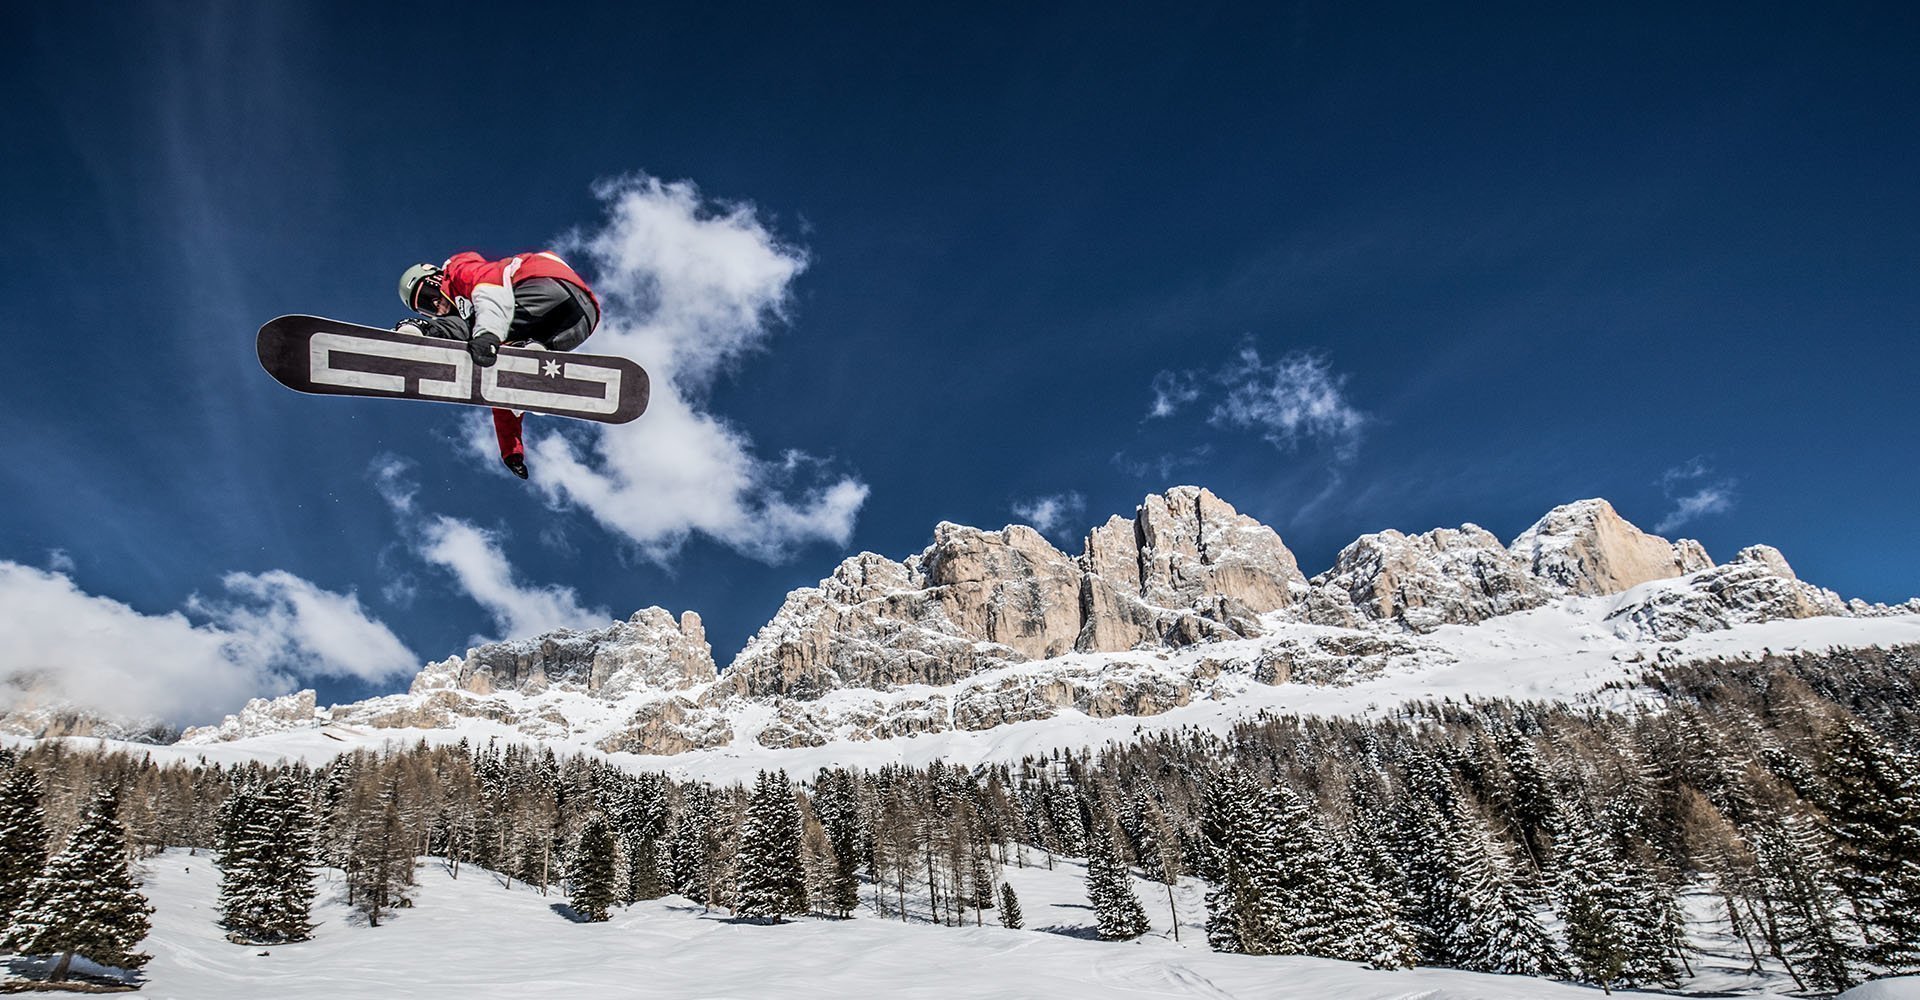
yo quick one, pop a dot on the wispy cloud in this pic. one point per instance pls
(1171, 391)
(690, 285)
(60, 561)
(474, 557)
(1161, 466)
(1289, 402)
(1049, 514)
(1695, 492)
(478, 563)
(1297, 398)
(268, 631)
(282, 618)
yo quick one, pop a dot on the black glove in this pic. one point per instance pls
(485, 348)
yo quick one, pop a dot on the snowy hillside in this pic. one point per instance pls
(1566, 652)
(472, 938)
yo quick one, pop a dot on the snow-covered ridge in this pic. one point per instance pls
(1191, 612)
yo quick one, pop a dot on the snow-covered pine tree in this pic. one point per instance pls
(1531, 803)
(1367, 925)
(1009, 907)
(1873, 805)
(770, 881)
(1619, 920)
(1110, 889)
(23, 838)
(293, 861)
(1233, 836)
(1301, 915)
(1493, 925)
(1796, 873)
(689, 868)
(267, 857)
(86, 901)
(590, 869)
(836, 802)
(245, 882)
(641, 878)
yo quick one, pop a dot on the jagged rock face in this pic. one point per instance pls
(1192, 545)
(1009, 587)
(1446, 576)
(872, 623)
(1756, 586)
(1188, 569)
(259, 716)
(1587, 549)
(648, 651)
(669, 726)
(1114, 689)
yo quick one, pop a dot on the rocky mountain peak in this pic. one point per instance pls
(1587, 549)
(651, 649)
(1447, 575)
(1193, 545)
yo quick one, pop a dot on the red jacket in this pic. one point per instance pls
(482, 290)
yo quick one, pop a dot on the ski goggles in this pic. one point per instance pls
(427, 297)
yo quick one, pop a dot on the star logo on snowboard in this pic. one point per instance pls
(552, 370)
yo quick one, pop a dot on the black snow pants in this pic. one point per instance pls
(555, 313)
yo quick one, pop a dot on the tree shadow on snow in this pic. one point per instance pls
(83, 976)
(569, 912)
(1064, 930)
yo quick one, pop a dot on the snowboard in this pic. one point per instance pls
(331, 358)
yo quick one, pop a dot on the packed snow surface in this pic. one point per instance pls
(475, 938)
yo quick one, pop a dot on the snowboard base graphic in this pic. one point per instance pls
(331, 358)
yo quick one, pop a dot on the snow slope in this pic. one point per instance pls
(471, 938)
(1567, 651)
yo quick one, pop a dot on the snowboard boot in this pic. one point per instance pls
(516, 464)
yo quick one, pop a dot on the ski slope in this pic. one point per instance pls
(473, 939)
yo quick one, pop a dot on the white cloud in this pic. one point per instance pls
(60, 561)
(64, 645)
(282, 618)
(1711, 500)
(1296, 397)
(1290, 401)
(1695, 493)
(475, 559)
(689, 286)
(1171, 391)
(1049, 513)
(391, 479)
(478, 563)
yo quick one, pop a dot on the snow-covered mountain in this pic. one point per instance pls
(1189, 613)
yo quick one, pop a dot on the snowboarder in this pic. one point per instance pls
(530, 299)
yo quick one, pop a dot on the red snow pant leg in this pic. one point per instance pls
(506, 427)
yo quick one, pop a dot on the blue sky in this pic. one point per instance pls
(1350, 268)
